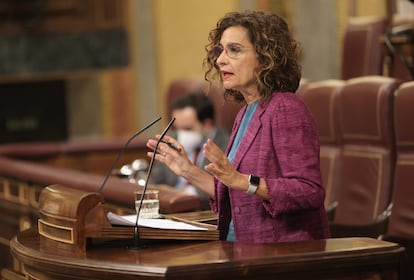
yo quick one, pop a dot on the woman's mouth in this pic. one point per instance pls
(226, 75)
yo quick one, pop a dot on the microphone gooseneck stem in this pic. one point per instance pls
(121, 152)
(136, 229)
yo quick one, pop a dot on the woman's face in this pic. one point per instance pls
(237, 62)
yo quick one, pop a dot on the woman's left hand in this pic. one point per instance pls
(220, 166)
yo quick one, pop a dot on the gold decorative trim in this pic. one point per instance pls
(30, 276)
(43, 231)
(25, 222)
(33, 197)
(4, 184)
(6, 189)
(4, 241)
(23, 193)
(17, 191)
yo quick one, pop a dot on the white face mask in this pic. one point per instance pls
(189, 139)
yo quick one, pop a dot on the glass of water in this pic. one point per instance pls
(150, 208)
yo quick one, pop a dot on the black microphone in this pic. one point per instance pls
(123, 150)
(136, 230)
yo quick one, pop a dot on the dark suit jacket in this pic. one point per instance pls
(161, 174)
(281, 145)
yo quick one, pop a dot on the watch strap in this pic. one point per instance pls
(254, 182)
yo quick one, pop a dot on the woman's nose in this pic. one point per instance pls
(222, 58)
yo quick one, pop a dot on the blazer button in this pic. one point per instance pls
(237, 210)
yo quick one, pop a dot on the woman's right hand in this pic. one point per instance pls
(176, 159)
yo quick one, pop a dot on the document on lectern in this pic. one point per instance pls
(161, 223)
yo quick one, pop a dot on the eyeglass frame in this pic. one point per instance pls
(217, 50)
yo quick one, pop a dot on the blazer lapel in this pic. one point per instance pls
(250, 134)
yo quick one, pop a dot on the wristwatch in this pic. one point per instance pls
(253, 184)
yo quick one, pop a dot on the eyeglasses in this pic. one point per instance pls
(232, 50)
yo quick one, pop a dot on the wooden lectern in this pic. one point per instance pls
(69, 217)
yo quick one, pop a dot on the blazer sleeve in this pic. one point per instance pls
(297, 185)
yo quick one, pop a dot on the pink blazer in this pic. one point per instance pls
(281, 145)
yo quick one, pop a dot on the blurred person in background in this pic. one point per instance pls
(194, 124)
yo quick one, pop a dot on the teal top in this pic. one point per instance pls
(247, 117)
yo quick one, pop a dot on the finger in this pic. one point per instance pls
(167, 143)
(212, 152)
(216, 172)
(212, 148)
(162, 157)
(165, 138)
(158, 155)
(211, 169)
(171, 146)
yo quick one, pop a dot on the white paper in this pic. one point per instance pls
(129, 220)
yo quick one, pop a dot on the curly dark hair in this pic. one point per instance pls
(277, 51)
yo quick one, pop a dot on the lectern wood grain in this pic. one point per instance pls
(70, 217)
(342, 258)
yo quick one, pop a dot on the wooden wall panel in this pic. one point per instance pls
(60, 15)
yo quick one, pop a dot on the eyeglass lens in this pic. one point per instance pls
(232, 50)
